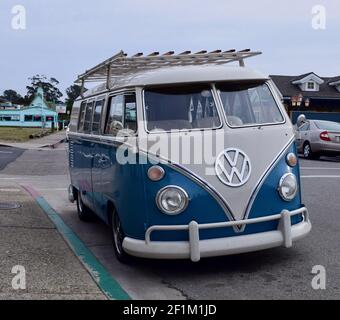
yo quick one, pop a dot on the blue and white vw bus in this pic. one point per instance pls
(185, 156)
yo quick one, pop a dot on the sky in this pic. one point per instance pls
(63, 38)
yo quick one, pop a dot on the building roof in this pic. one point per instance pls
(288, 89)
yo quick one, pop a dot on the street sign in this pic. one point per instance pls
(60, 108)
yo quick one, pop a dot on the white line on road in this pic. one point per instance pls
(7, 152)
(10, 190)
(320, 176)
(318, 168)
(52, 189)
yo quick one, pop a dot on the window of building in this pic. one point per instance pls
(49, 118)
(10, 118)
(311, 85)
(28, 118)
(37, 118)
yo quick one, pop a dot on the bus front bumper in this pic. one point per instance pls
(195, 248)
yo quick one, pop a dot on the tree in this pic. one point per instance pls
(51, 91)
(73, 92)
(12, 96)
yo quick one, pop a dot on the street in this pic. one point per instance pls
(272, 274)
(8, 155)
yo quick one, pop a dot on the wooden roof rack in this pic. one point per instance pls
(120, 64)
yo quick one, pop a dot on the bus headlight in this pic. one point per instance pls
(172, 200)
(288, 187)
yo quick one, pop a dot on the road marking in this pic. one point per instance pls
(321, 176)
(52, 189)
(110, 287)
(7, 152)
(10, 190)
(316, 168)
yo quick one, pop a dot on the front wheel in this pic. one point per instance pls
(84, 213)
(118, 236)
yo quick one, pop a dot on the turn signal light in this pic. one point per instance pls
(324, 136)
(291, 159)
(156, 173)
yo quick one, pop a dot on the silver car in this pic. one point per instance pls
(318, 137)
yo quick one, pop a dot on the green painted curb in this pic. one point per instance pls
(105, 281)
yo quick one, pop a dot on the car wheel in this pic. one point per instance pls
(84, 213)
(307, 151)
(118, 236)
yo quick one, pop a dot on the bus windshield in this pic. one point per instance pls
(181, 108)
(249, 104)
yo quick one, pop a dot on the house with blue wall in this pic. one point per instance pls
(37, 114)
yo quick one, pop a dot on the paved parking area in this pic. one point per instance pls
(29, 240)
(272, 274)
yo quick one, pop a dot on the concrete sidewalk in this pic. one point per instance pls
(50, 141)
(29, 239)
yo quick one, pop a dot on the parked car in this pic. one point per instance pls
(318, 137)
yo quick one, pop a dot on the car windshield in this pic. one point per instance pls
(327, 125)
(180, 108)
(249, 104)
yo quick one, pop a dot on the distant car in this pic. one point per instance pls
(318, 137)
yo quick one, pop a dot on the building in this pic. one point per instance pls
(37, 114)
(316, 97)
(5, 104)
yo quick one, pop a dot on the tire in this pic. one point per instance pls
(118, 236)
(307, 151)
(85, 214)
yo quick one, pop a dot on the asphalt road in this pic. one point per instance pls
(272, 274)
(8, 154)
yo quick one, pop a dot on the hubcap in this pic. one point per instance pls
(307, 151)
(117, 234)
(80, 202)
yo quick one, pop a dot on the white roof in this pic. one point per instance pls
(181, 74)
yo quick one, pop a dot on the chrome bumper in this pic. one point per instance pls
(196, 248)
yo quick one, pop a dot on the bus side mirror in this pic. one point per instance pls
(301, 120)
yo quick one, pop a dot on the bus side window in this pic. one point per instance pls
(88, 117)
(81, 116)
(130, 114)
(97, 116)
(114, 121)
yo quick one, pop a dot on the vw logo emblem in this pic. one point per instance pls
(233, 167)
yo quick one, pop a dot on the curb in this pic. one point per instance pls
(54, 145)
(107, 284)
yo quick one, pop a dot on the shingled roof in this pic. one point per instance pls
(288, 89)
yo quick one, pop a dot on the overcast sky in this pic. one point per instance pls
(63, 37)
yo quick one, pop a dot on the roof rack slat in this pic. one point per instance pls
(169, 53)
(185, 53)
(121, 64)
